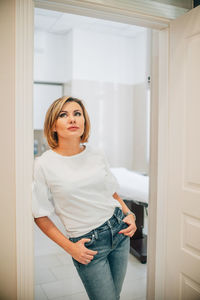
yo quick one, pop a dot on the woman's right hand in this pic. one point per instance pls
(81, 253)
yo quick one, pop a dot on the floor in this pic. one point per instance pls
(56, 277)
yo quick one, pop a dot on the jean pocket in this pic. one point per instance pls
(91, 242)
(89, 236)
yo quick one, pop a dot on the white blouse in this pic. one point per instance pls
(81, 187)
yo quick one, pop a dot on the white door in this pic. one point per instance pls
(182, 272)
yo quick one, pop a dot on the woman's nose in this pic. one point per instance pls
(71, 118)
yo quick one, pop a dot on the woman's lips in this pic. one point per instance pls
(73, 128)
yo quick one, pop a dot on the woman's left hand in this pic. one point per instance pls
(131, 229)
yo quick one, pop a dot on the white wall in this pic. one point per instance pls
(140, 58)
(86, 55)
(43, 96)
(140, 106)
(103, 57)
(52, 57)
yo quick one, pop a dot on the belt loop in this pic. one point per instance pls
(95, 234)
(111, 232)
(116, 211)
(118, 219)
(109, 225)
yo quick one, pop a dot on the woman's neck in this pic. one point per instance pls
(69, 149)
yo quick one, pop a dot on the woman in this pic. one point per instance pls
(97, 221)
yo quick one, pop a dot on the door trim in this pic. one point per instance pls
(24, 148)
(115, 12)
(162, 164)
(24, 137)
(142, 13)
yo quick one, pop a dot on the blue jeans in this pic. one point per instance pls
(104, 275)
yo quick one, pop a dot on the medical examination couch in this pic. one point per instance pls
(134, 190)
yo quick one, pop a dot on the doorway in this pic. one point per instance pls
(152, 227)
(107, 64)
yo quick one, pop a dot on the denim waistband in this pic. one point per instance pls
(117, 215)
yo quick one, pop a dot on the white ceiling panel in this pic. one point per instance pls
(61, 23)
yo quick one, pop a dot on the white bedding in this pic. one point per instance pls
(133, 186)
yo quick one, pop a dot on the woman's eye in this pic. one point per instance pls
(62, 115)
(65, 115)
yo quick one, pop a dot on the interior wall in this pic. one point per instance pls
(103, 57)
(140, 106)
(8, 275)
(140, 120)
(52, 56)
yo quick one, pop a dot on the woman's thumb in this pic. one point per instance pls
(86, 240)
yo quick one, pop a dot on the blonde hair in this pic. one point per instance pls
(52, 115)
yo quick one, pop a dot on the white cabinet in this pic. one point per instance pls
(43, 96)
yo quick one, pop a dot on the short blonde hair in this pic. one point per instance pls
(52, 115)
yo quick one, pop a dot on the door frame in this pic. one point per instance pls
(158, 136)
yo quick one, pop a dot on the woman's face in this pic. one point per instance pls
(70, 116)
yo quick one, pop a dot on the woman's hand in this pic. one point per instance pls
(131, 229)
(81, 253)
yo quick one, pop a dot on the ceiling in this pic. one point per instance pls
(60, 23)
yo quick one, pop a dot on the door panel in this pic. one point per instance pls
(192, 109)
(183, 206)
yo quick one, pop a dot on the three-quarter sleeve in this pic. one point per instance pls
(41, 204)
(114, 184)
